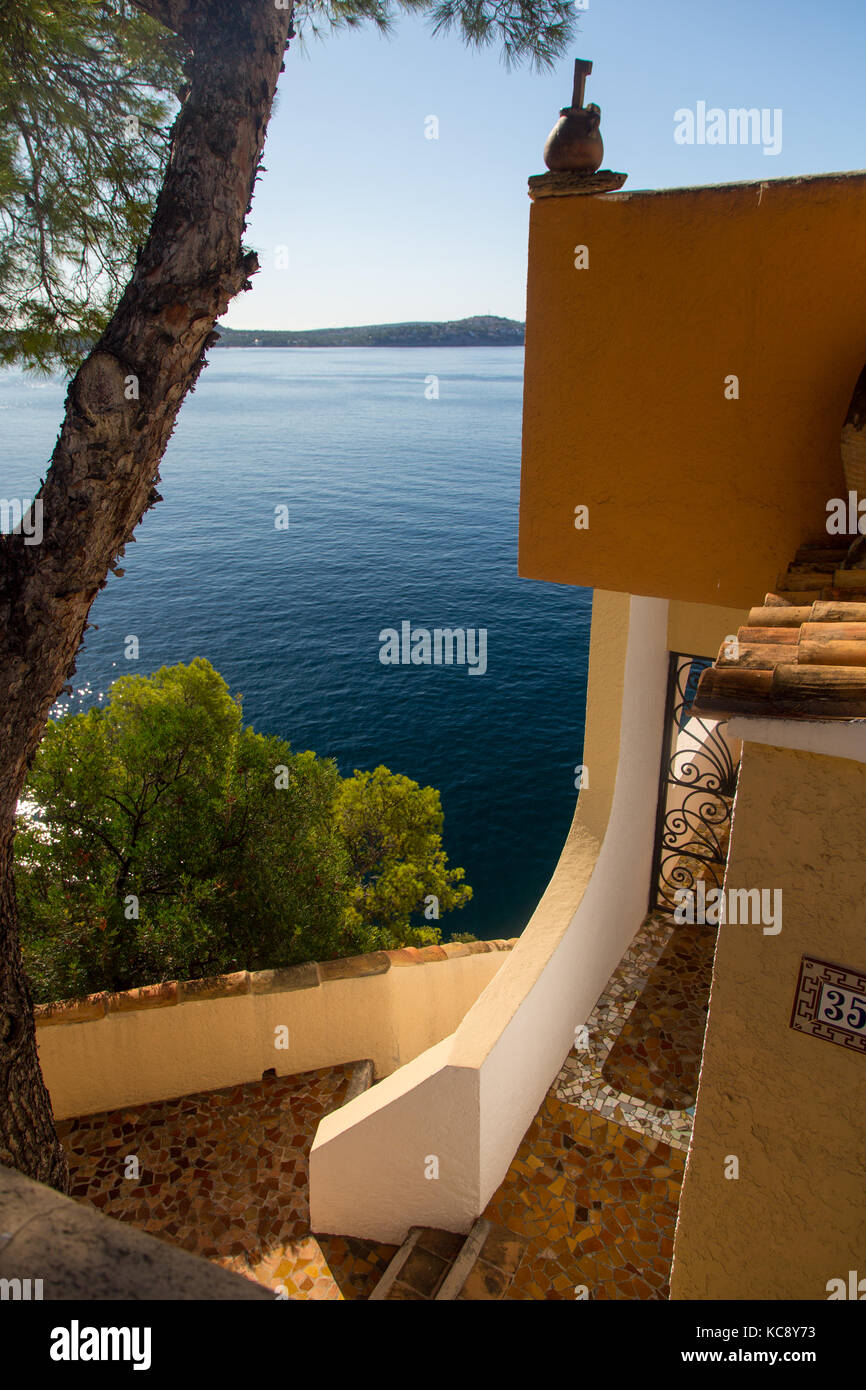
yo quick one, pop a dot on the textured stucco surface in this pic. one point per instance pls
(690, 495)
(701, 628)
(789, 1106)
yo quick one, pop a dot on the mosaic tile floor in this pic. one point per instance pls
(598, 1204)
(583, 1079)
(657, 1055)
(224, 1174)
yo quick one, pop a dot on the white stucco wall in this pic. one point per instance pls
(466, 1103)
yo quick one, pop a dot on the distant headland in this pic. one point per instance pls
(485, 330)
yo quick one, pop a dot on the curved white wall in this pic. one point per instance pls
(461, 1108)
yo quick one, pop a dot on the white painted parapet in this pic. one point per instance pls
(430, 1144)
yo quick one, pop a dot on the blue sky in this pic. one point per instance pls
(380, 224)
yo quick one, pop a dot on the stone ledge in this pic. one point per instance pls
(280, 981)
(564, 184)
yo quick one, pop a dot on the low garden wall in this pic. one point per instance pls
(110, 1050)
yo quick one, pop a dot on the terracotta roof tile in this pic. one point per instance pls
(802, 654)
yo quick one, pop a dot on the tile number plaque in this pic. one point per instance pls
(831, 1003)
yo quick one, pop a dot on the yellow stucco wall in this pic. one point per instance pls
(789, 1106)
(131, 1058)
(690, 495)
(701, 628)
(608, 639)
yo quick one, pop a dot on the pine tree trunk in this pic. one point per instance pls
(120, 410)
(27, 1137)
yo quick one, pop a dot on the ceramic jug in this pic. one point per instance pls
(575, 142)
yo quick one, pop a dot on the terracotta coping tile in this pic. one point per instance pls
(290, 977)
(307, 976)
(430, 953)
(81, 1010)
(162, 996)
(405, 955)
(352, 967)
(214, 987)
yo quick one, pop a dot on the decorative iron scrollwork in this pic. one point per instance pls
(697, 782)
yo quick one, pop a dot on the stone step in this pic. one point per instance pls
(419, 1268)
(395, 1268)
(498, 1260)
(452, 1285)
(435, 1266)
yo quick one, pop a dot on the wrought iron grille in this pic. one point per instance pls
(697, 781)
